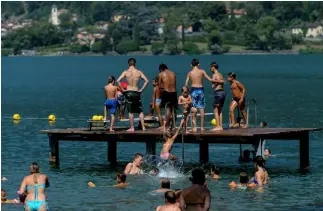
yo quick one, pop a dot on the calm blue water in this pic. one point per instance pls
(288, 90)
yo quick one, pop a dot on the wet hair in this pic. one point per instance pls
(122, 177)
(185, 87)
(162, 67)
(155, 79)
(137, 155)
(3, 198)
(215, 170)
(215, 65)
(132, 62)
(232, 74)
(243, 178)
(198, 176)
(259, 161)
(170, 196)
(22, 197)
(195, 62)
(34, 168)
(165, 183)
(111, 79)
(268, 150)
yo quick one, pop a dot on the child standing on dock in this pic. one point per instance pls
(186, 101)
(238, 99)
(111, 102)
(156, 101)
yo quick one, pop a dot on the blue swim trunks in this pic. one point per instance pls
(158, 101)
(198, 97)
(219, 98)
(111, 105)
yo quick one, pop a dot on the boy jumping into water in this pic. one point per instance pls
(111, 102)
(238, 99)
(156, 101)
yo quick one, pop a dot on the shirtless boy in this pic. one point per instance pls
(219, 95)
(197, 91)
(132, 94)
(186, 101)
(135, 167)
(121, 178)
(156, 101)
(111, 100)
(170, 200)
(238, 99)
(167, 82)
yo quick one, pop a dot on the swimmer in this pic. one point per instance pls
(133, 93)
(261, 176)
(215, 172)
(267, 152)
(263, 124)
(156, 101)
(35, 185)
(134, 168)
(111, 101)
(169, 139)
(121, 178)
(5, 200)
(238, 99)
(170, 201)
(164, 186)
(196, 197)
(186, 101)
(167, 82)
(243, 178)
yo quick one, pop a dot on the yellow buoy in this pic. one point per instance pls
(213, 122)
(100, 117)
(51, 118)
(91, 184)
(95, 117)
(16, 117)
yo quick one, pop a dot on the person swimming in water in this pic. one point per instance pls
(111, 101)
(170, 200)
(121, 179)
(243, 178)
(267, 152)
(35, 185)
(215, 172)
(8, 201)
(261, 175)
(196, 197)
(134, 168)
(169, 139)
(164, 186)
(186, 101)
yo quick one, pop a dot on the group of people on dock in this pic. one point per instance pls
(127, 94)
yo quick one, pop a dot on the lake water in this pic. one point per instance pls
(288, 90)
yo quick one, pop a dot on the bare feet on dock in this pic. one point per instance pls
(244, 125)
(160, 128)
(202, 129)
(131, 130)
(187, 131)
(144, 129)
(111, 130)
(194, 130)
(217, 129)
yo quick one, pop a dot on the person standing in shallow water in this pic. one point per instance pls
(132, 94)
(35, 185)
(219, 95)
(197, 91)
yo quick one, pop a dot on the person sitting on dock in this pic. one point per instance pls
(186, 101)
(170, 200)
(215, 172)
(134, 168)
(197, 91)
(156, 101)
(132, 94)
(261, 176)
(169, 139)
(164, 186)
(121, 179)
(238, 99)
(243, 182)
(219, 95)
(111, 102)
(121, 100)
(196, 197)
(167, 82)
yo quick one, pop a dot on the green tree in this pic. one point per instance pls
(126, 46)
(191, 49)
(157, 48)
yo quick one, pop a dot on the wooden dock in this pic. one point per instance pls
(254, 136)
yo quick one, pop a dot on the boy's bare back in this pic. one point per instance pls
(111, 91)
(133, 76)
(170, 207)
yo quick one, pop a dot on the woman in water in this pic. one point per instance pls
(169, 140)
(35, 185)
(261, 175)
(186, 101)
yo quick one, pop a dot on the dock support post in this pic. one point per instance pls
(304, 159)
(112, 151)
(204, 152)
(54, 151)
(151, 147)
